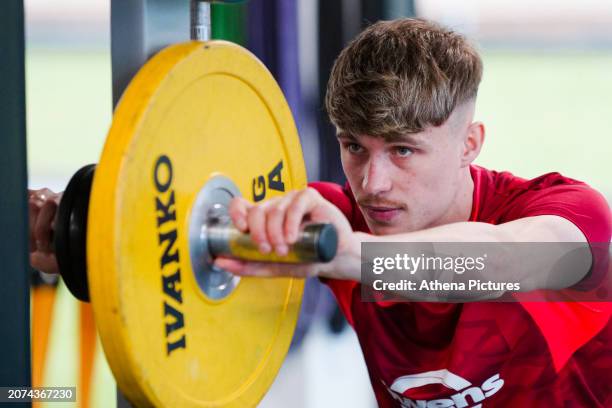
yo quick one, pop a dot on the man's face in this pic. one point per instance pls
(411, 182)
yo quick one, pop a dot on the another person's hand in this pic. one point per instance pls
(274, 225)
(43, 205)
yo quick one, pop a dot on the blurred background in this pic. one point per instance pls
(546, 102)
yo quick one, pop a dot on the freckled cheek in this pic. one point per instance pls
(407, 189)
(434, 173)
(418, 190)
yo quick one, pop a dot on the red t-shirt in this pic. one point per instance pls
(494, 354)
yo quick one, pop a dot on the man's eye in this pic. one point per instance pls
(353, 148)
(403, 151)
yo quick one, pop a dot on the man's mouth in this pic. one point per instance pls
(382, 213)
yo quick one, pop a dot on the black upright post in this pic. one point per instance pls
(331, 38)
(14, 272)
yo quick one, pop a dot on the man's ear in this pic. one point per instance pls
(473, 142)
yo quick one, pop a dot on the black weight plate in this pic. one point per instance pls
(71, 232)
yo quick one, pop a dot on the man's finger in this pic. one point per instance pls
(231, 265)
(266, 269)
(45, 262)
(238, 210)
(299, 207)
(43, 227)
(33, 211)
(275, 221)
(257, 227)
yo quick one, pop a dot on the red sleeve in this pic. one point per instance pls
(343, 290)
(335, 194)
(585, 208)
(567, 326)
(576, 202)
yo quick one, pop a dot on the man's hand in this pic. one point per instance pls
(274, 225)
(43, 205)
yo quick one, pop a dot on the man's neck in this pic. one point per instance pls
(461, 207)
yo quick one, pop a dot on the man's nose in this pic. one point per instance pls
(377, 178)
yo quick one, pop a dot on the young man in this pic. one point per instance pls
(402, 97)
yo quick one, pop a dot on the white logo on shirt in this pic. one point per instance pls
(450, 380)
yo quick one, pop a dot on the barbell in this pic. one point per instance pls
(200, 124)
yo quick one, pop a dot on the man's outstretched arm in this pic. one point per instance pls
(274, 225)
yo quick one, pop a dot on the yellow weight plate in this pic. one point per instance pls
(194, 112)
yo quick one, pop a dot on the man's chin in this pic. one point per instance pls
(388, 229)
